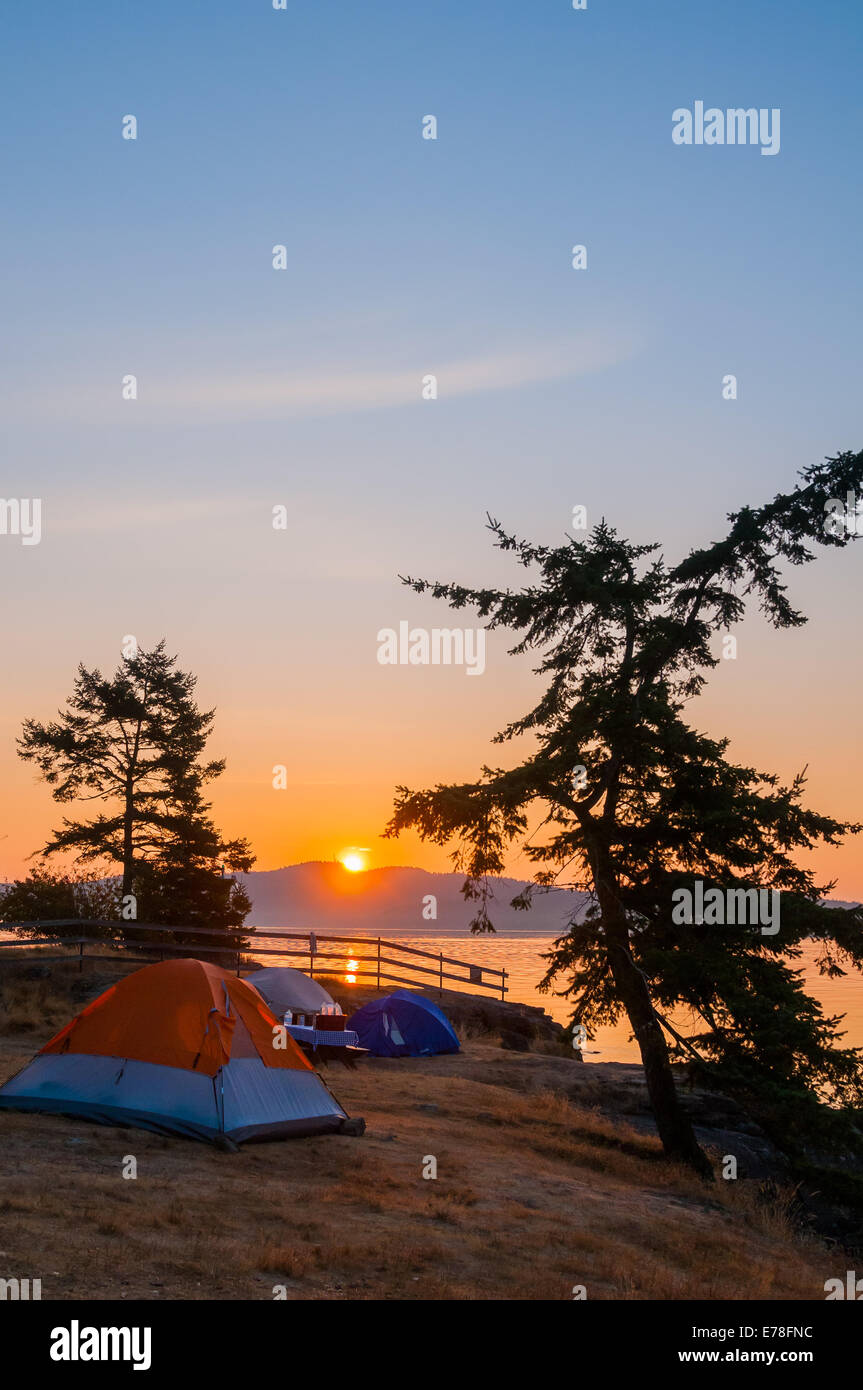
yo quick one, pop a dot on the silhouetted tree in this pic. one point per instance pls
(637, 804)
(44, 896)
(135, 742)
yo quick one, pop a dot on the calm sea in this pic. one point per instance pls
(521, 957)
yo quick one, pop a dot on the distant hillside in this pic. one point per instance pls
(326, 896)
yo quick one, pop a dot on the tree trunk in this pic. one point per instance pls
(128, 862)
(675, 1129)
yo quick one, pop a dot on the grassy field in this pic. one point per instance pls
(534, 1194)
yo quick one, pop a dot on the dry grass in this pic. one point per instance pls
(28, 1006)
(534, 1195)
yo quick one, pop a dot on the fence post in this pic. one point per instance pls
(379, 963)
(440, 984)
(503, 986)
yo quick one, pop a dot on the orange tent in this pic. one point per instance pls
(181, 1048)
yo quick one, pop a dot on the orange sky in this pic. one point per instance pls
(347, 739)
(303, 387)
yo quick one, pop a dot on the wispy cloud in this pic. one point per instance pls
(269, 393)
(355, 386)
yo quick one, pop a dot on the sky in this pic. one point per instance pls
(408, 257)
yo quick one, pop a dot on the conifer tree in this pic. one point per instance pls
(636, 803)
(135, 743)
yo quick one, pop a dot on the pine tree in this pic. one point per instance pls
(636, 803)
(135, 742)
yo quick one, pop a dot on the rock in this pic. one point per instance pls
(513, 1041)
(355, 1127)
(522, 1027)
(480, 1020)
(480, 1013)
(756, 1156)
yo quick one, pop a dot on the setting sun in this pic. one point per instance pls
(353, 862)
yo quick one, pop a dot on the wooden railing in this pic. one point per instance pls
(239, 947)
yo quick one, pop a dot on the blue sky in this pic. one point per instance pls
(407, 256)
(302, 127)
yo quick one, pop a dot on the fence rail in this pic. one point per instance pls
(242, 945)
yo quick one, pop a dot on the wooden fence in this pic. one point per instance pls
(384, 957)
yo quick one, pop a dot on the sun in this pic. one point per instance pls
(353, 862)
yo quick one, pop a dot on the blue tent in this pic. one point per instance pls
(404, 1025)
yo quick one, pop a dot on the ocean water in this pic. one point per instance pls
(521, 957)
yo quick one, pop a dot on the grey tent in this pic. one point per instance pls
(284, 989)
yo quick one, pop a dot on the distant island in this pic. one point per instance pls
(325, 896)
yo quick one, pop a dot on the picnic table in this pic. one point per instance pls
(328, 1044)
